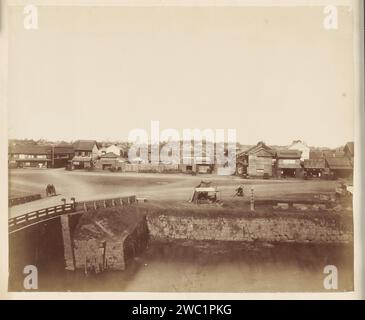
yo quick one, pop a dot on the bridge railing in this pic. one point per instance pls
(105, 203)
(38, 215)
(51, 212)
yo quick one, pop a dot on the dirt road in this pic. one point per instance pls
(177, 187)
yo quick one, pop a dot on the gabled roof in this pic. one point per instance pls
(288, 154)
(338, 163)
(350, 148)
(30, 149)
(63, 148)
(261, 149)
(296, 142)
(333, 153)
(84, 145)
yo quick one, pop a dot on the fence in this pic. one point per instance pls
(104, 203)
(25, 199)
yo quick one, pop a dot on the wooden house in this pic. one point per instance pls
(288, 164)
(256, 161)
(86, 153)
(62, 155)
(30, 155)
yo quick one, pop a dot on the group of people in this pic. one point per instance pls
(50, 190)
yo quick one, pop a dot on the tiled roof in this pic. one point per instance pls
(84, 145)
(30, 149)
(261, 146)
(314, 163)
(338, 163)
(316, 154)
(288, 154)
(333, 153)
(63, 148)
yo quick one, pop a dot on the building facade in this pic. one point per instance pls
(288, 164)
(111, 161)
(86, 154)
(62, 155)
(257, 161)
(314, 168)
(30, 155)
(339, 167)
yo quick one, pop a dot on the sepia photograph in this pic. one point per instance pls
(198, 147)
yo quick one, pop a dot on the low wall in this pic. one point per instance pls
(25, 199)
(151, 168)
(287, 228)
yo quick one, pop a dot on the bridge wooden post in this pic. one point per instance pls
(67, 243)
(73, 199)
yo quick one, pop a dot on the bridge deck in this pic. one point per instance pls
(49, 202)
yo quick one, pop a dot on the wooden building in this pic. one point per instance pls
(86, 154)
(111, 161)
(256, 161)
(62, 154)
(288, 164)
(30, 155)
(339, 167)
(314, 168)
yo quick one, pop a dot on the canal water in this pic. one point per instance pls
(184, 266)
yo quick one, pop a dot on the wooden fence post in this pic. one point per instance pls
(252, 201)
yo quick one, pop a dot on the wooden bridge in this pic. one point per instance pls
(39, 215)
(45, 214)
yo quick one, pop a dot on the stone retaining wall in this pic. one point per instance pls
(270, 229)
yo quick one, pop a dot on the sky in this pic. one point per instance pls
(273, 74)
